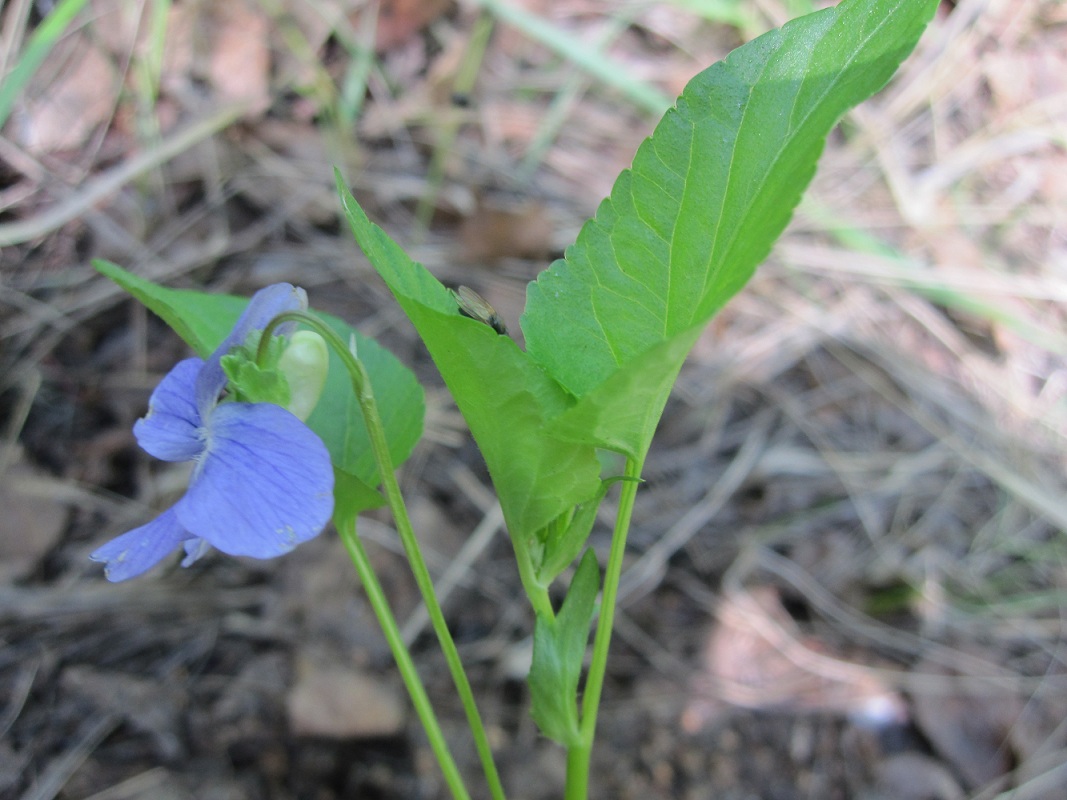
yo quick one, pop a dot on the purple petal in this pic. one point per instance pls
(133, 553)
(171, 429)
(264, 306)
(265, 483)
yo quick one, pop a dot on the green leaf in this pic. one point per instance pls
(351, 497)
(621, 413)
(204, 320)
(201, 320)
(558, 652)
(506, 399)
(707, 195)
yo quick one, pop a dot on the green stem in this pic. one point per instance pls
(538, 594)
(425, 584)
(578, 756)
(380, 446)
(416, 690)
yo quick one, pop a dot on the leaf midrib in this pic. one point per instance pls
(794, 132)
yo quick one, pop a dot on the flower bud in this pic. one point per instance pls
(304, 364)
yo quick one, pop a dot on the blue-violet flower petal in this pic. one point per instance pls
(139, 550)
(170, 430)
(264, 306)
(265, 482)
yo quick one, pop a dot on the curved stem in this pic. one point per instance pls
(538, 594)
(425, 584)
(380, 446)
(416, 690)
(578, 756)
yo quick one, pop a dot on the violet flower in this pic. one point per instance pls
(262, 481)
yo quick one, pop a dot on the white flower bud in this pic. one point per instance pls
(305, 363)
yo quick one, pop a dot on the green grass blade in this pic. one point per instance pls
(579, 53)
(40, 45)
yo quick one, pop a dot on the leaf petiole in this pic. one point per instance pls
(578, 756)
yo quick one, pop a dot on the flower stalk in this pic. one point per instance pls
(391, 488)
(408, 673)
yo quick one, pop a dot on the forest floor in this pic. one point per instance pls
(847, 572)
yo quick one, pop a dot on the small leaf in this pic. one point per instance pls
(506, 399)
(558, 653)
(566, 537)
(252, 382)
(204, 320)
(351, 497)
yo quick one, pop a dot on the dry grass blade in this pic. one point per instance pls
(97, 189)
(643, 576)
(58, 772)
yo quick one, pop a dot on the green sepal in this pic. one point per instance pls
(252, 382)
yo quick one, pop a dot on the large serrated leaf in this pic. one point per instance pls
(707, 195)
(505, 397)
(203, 320)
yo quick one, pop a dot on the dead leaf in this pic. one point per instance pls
(226, 45)
(117, 25)
(240, 57)
(757, 658)
(399, 20)
(338, 702)
(73, 93)
(1009, 77)
(494, 232)
(968, 730)
(32, 522)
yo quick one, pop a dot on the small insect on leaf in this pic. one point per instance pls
(473, 305)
